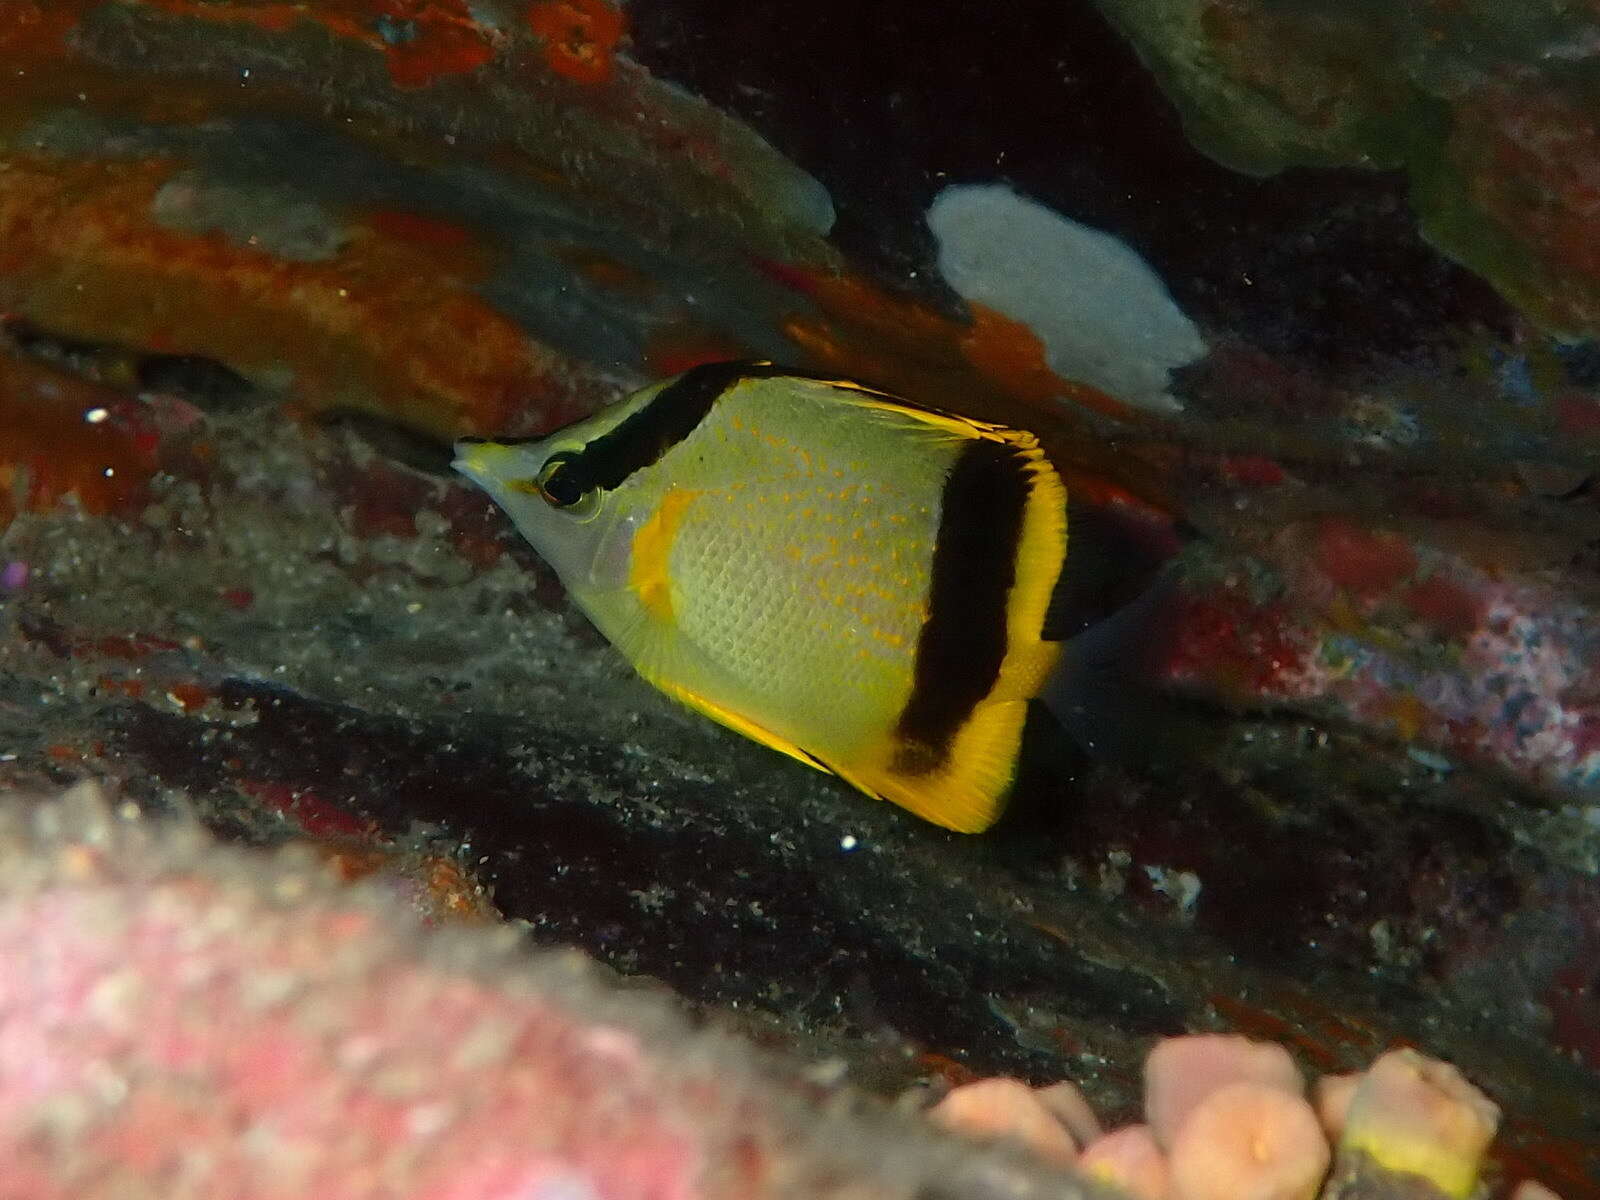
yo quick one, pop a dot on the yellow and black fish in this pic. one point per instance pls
(855, 581)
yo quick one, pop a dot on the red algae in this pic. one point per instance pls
(580, 37)
(408, 227)
(1244, 651)
(53, 445)
(946, 1069)
(795, 278)
(442, 39)
(1252, 470)
(676, 348)
(853, 306)
(388, 326)
(1361, 561)
(128, 647)
(1563, 1163)
(121, 686)
(1323, 1038)
(269, 17)
(1573, 993)
(384, 500)
(1449, 608)
(1011, 353)
(1504, 674)
(190, 696)
(28, 27)
(303, 806)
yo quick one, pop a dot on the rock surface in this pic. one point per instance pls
(256, 266)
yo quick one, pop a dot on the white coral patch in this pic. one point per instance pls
(1104, 316)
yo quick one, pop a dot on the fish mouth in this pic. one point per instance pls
(464, 453)
(475, 458)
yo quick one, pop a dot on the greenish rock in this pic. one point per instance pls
(1483, 105)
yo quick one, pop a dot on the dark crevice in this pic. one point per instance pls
(732, 915)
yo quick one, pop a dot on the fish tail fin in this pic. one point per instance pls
(1102, 706)
(1115, 610)
(1103, 692)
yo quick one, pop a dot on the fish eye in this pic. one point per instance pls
(558, 487)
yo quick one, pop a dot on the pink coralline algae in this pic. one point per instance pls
(1408, 639)
(180, 1020)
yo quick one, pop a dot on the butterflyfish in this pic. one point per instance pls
(851, 579)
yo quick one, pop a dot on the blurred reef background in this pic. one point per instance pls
(1316, 281)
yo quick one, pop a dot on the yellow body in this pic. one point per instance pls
(772, 569)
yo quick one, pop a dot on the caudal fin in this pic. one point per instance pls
(1104, 693)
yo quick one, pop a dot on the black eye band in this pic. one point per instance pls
(560, 485)
(674, 413)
